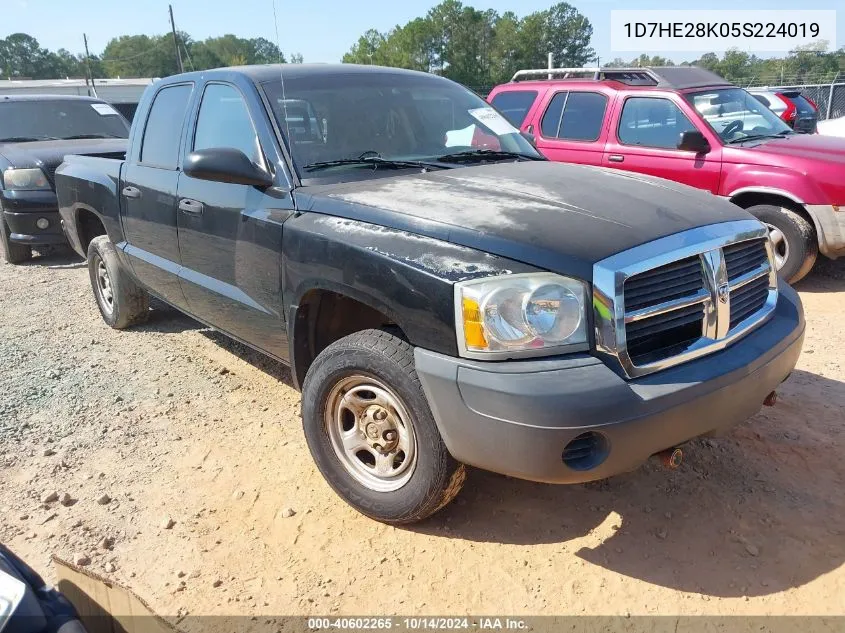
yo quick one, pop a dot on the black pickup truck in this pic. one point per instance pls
(442, 294)
(36, 131)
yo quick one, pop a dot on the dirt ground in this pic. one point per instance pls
(196, 443)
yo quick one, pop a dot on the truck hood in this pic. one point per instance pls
(49, 154)
(554, 216)
(807, 150)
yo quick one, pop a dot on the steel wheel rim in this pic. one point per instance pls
(105, 292)
(361, 412)
(780, 247)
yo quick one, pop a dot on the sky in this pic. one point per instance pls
(321, 30)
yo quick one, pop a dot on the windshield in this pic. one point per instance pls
(57, 119)
(736, 115)
(388, 116)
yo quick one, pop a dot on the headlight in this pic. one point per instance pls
(531, 314)
(25, 179)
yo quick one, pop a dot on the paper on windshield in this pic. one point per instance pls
(103, 109)
(493, 120)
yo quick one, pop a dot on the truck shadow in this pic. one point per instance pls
(827, 276)
(261, 362)
(166, 319)
(752, 513)
(55, 257)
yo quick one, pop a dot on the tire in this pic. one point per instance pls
(13, 252)
(121, 301)
(798, 247)
(362, 372)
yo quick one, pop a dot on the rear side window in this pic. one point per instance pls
(576, 116)
(160, 144)
(224, 121)
(763, 100)
(804, 107)
(515, 104)
(652, 122)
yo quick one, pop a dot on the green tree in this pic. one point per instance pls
(479, 48)
(567, 35)
(21, 56)
(367, 50)
(140, 56)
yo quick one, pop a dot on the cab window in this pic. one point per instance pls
(224, 121)
(652, 122)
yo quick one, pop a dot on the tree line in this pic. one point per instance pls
(805, 65)
(21, 56)
(479, 47)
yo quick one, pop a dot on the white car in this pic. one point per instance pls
(833, 127)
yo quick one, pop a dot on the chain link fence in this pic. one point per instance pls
(829, 97)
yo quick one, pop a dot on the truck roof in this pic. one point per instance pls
(668, 77)
(267, 72)
(37, 97)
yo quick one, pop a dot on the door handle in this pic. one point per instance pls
(131, 192)
(191, 207)
(616, 158)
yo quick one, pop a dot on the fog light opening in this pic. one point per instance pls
(586, 451)
(42, 223)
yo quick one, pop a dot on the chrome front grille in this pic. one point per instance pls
(683, 296)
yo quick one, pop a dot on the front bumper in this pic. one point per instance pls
(23, 209)
(829, 221)
(517, 417)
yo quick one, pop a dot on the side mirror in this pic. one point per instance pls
(528, 135)
(693, 141)
(225, 164)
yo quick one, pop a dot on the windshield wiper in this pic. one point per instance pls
(480, 155)
(76, 137)
(375, 161)
(27, 139)
(753, 137)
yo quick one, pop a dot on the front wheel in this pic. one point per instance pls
(793, 239)
(371, 432)
(121, 301)
(13, 252)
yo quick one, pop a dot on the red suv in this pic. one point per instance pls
(689, 125)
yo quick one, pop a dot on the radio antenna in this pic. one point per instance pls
(282, 76)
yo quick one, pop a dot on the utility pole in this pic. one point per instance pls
(175, 40)
(88, 66)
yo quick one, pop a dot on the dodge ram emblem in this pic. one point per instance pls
(723, 292)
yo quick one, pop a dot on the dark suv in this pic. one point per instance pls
(36, 132)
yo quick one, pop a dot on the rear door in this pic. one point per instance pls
(230, 235)
(573, 126)
(644, 138)
(148, 195)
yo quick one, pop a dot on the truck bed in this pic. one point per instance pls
(89, 184)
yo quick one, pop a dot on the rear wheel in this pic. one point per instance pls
(121, 301)
(371, 432)
(793, 240)
(13, 252)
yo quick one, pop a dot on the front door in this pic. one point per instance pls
(230, 235)
(646, 141)
(148, 196)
